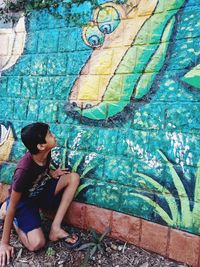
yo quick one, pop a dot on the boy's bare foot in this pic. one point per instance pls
(57, 234)
(3, 211)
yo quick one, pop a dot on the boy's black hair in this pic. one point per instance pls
(34, 134)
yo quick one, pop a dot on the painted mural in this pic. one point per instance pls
(120, 89)
(112, 92)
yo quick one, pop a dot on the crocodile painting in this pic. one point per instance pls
(130, 44)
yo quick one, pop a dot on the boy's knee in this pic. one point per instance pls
(36, 245)
(75, 178)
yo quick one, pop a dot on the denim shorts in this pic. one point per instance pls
(27, 215)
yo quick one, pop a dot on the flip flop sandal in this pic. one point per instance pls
(65, 244)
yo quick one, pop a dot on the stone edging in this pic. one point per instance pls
(166, 241)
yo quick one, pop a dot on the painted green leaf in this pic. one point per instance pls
(86, 170)
(169, 199)
(197, 184)
(80, 188)
(186, 214)
(76, 164)
(193, 77)
(155, 63)
(64, 158)
(196, 209)
(162, 213)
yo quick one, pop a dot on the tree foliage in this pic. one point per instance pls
(10, 10)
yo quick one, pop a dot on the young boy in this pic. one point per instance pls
(35, 186)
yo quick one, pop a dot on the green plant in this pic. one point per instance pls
(10, 8)
(87, 168)
(185, 215)
(74, 168)
(50, 252)
(93, 246)
(82, 175)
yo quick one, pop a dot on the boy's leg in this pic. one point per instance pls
(33, 240)
(3, 211)
(27, 224)
(69, 183)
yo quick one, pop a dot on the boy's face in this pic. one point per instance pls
(50, 140)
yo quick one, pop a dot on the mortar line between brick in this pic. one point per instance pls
(140, 231)
(198, 264)
(84, 217)
(168, 241)
(111, 221)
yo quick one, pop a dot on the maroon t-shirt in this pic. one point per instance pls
(29, 178)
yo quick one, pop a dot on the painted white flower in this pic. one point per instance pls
(12, 40)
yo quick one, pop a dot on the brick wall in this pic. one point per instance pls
(121, 93)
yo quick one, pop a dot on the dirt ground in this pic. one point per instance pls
(114, 254)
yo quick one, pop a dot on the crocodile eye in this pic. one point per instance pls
(108, 19)
(74, 104)
(88, 106)
(106, 28)
(94, 40)
(92, 35)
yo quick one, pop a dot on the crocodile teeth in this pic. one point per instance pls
(6, 142)
(4, 133)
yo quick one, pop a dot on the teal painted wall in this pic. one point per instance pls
(139, 156)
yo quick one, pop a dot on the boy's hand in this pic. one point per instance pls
(6, 252)
(59, 172)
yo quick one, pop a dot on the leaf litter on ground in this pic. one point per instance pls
(114, 253)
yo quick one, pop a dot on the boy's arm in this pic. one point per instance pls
(57, 173)
(5, 249)
(10, 214)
